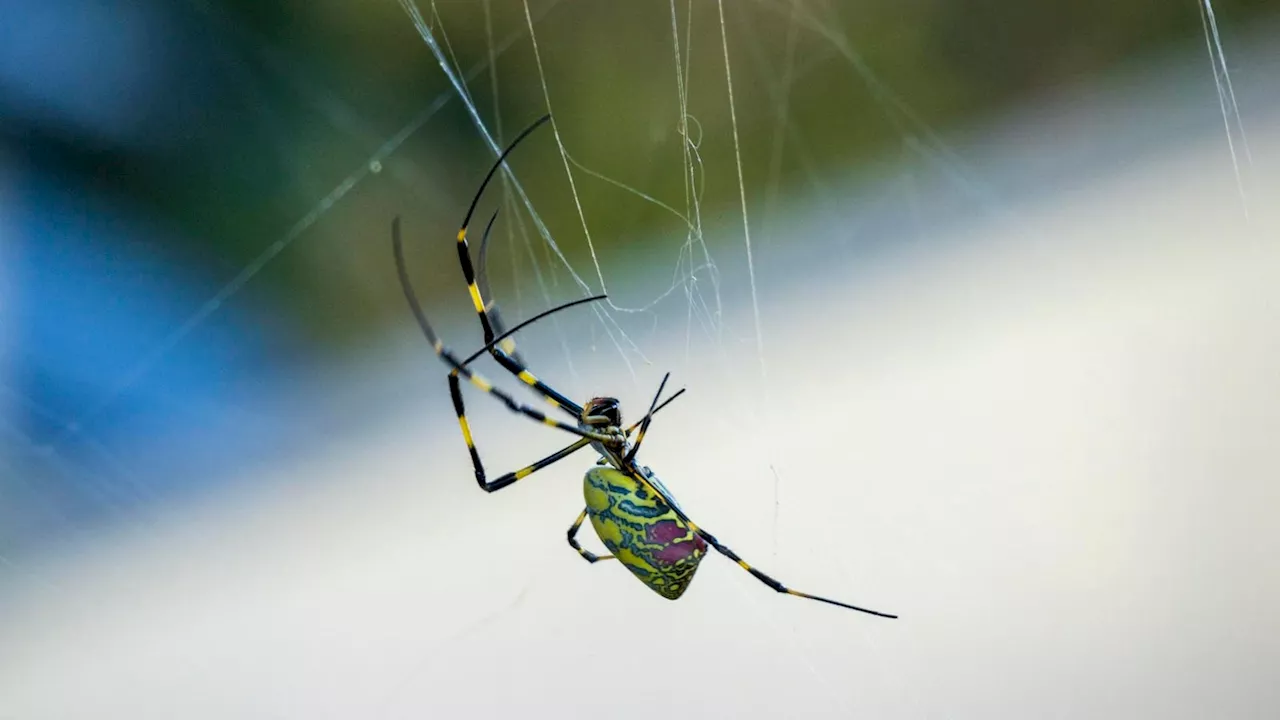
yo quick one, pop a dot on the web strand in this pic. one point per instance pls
(373, 164)
(742, 192)
(612, 329)
(1226, 97)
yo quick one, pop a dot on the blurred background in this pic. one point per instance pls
(878, 242)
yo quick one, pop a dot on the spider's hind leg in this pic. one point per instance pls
(777, 586)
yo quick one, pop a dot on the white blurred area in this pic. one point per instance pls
(1046, 438)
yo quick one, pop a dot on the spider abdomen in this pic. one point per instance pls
(642, 531)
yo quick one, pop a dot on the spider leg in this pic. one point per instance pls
(448, 358)
(491, 306)
(644, 425)
(505, 337)
(573, 541)
(455, 393)
(725, 551)
(777, 586)
(491, 329)
(511, 364)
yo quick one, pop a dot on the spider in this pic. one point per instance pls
(632, 512)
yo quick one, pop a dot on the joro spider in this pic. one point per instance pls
(632, 512)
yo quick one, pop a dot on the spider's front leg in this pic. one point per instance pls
(507, 361)
(455, 392)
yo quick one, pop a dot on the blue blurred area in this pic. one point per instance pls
(101, 412)
(89, 297)
(107, 76)
(64, 64)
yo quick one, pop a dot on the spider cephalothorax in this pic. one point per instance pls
(602, 411)
(634, 515)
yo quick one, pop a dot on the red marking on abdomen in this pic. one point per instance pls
(666, 533)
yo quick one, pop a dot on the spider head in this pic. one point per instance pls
(602, 412)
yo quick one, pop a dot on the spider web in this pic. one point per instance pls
(697, 268)
(699, 279)
(704, 311)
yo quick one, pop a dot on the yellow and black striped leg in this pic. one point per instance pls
(491, 306)
(455, 392)
(459, 369)
(644, 424)
(511, 364)
(777, 586)
(573, 541)
(506, 361)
